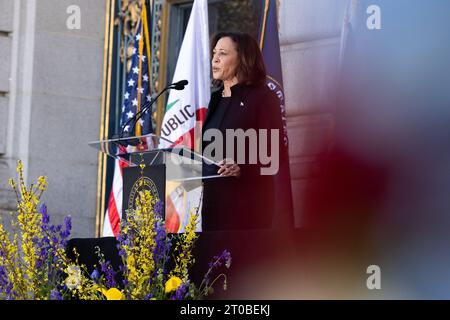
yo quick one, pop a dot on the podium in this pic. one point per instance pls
(173, 174)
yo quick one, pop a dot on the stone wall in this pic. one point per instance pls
(53, 101)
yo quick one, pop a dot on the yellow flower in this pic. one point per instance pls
(184, 259)
(130, 261)
(172, 284)
(12, 183)
(112, 294)
(19, 167)
(42, 183)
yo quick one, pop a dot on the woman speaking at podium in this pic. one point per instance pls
(241, 202)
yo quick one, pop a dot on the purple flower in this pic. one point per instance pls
(109, 273)
(181, 293)
(54, 239)
(67, 228)
(218, 261)
(122, 252)
(39, 264)
(55, 295)
(68, 223)
(162, 245)
(43, 212)
(149, 296)
(159, 208)
(5, 286)
(224, 257)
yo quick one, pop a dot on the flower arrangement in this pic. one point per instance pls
(34, 263)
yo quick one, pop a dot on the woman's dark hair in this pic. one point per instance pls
(251, 69)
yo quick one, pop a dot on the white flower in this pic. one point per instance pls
(73, 282)
(73, 279)
(73, 270)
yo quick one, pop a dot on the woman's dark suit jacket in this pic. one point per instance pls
(245, 202)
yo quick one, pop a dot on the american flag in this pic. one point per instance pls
(137, 93)
(136, 97)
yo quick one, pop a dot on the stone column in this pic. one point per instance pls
(9, 34)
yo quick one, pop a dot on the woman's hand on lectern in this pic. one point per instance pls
(228, 168)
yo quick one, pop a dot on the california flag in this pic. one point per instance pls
(187, 107)
(186, 110)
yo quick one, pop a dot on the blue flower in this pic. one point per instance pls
(95, 274)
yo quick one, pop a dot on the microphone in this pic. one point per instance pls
(179, 85)
(176, 86)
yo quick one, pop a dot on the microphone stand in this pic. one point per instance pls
(177, 86)
(138, 115)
